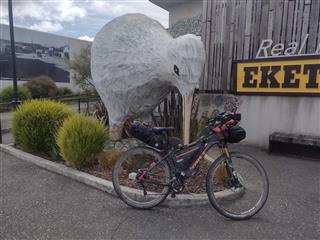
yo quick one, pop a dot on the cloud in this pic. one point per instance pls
(86, 38)
(76, 18)
(69, 12)
(42, 10)
(46, 26)
(115, 8)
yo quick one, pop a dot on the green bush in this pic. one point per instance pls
(6, 94)
(81, 140)
(42, 87)
(64, 91)
(35, 125)
(202, 124)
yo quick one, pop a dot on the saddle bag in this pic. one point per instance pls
(146, 134)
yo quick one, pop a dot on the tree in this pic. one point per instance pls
(80, 66)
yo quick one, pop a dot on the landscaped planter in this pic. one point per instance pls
(105, 185)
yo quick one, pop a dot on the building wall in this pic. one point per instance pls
(181, 11)
(30, 39)
(192, 25)
(233, 30)
(263, 115)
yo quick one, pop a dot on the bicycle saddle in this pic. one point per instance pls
(160, 130)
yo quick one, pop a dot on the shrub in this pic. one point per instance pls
(81, 70)
(108, 158)
(42, 87)
(81, 139)
(64, 91)
(7, 93)
(35, 125)
(201, 125)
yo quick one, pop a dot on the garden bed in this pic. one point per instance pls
(193, 185)
(79, 140)
(93, 181)
(98, 182)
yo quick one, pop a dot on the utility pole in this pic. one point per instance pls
(15, 98)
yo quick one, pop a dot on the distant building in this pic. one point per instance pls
(37, 53)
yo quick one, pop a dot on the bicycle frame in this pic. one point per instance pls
(177, 177)
(170, 157)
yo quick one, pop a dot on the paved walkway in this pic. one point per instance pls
(37, 204)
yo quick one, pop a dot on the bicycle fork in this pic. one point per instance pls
(230, 170)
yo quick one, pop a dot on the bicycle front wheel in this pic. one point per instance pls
(243, 193)
(140, 178)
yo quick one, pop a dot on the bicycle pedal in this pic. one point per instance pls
(173, 195)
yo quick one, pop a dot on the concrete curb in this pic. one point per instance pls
(96, 182)
(180, 200)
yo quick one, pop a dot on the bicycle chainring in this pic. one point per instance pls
(178, 185)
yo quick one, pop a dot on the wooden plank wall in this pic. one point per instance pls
(234, 29)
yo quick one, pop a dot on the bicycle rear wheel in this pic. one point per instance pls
(240, 197)
(140, 178)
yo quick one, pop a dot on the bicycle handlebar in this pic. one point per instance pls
(228, 118)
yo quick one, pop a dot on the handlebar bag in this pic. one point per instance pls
(236, 134)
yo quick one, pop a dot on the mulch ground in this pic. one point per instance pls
(197, 184)
(194, 185)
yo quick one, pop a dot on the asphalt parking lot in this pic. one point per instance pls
(38, 204)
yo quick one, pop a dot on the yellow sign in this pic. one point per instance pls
(294, 75)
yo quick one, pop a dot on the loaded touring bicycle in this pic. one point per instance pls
(236, 183)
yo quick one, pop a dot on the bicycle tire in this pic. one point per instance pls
(217, 199)
(128, 195)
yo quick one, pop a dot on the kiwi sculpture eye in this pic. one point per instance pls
(176, 70)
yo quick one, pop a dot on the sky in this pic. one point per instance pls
(75, 18)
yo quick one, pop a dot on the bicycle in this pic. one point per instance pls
(236, 183)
